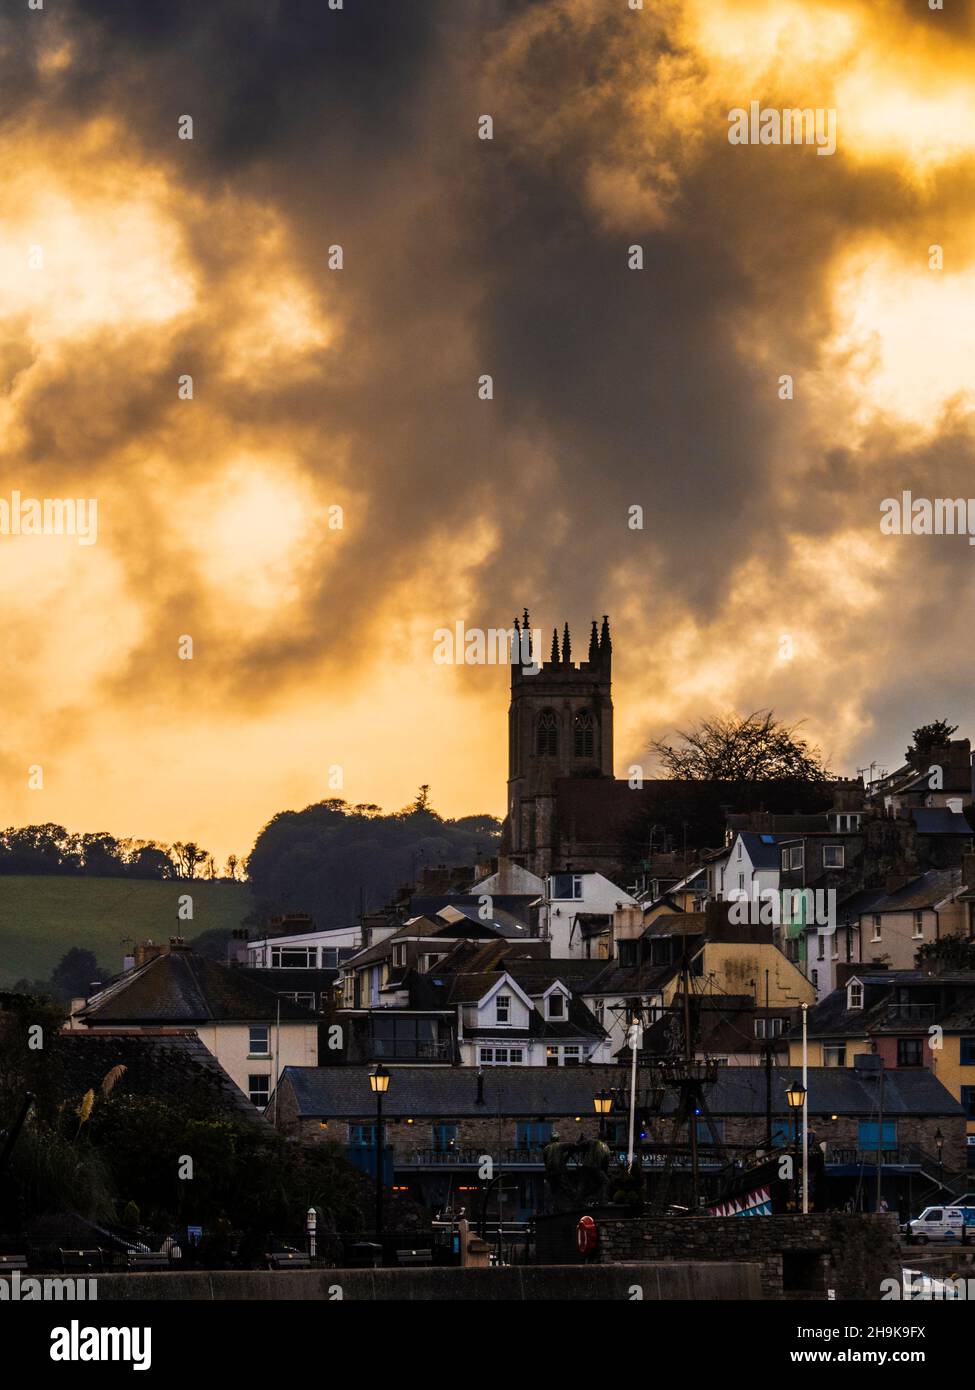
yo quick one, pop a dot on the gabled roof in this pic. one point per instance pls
(763, 850)
(182, 987)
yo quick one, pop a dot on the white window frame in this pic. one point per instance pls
(264, 1051)
(840, 851)
(502, 1002)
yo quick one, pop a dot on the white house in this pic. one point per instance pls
(576, 912)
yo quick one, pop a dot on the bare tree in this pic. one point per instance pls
(753, 748)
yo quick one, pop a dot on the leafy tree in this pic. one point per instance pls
(332, 859)
(75, 972)
(753, 748)
(187, 857)
(931, 735)
(947, 953)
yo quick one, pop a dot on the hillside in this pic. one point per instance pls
(43, 917)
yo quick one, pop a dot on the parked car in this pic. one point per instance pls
(939, 1223)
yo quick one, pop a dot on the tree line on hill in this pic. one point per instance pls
(51, 849)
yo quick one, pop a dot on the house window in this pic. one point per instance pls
(582, 734)
(967, 1098)
(444, 1136)
(918, 925)
(501, 1056)
(966, 1052)
(330, 957)
(834, 856)
(502, 1009)
(399, 955)
(259, 1041)
(547, 734)
(796, 856)
(566, 886)
(738, 855)
(741, 883)
(407, 1037)
(785, 859)
(854, 995)
(363, 1136)
(910, 1052)
(598, 1006)
(556, 1006)
(294, 957)
(760, 1028)
(533, 1134)
(876, 927)
(871, 1138)
(259, 1090)
(571, 1056)
(308, 1000)
(834, 1055)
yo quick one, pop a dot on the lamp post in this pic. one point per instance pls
(796, 1096)
(939, 1141)
(603, 1104)
(379, 1081)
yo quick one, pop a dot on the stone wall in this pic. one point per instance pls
(797, 1255)
(699, 1282)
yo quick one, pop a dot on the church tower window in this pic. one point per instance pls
(583, 734)
(547, 736)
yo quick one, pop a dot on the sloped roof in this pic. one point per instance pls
(166, 1064)
(939, 820)
(448, 1092)
(182, 987)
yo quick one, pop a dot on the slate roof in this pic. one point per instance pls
(939, 820)
(763, 849)
(182, 987)
(165, 1064)
(451, 1092)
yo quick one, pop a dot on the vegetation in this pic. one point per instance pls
(332, 860)
(43, 917)
(947, 953)
(932, 735)
(749, 749)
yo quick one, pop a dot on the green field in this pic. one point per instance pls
(41, 918)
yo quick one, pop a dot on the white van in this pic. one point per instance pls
(940, 1223)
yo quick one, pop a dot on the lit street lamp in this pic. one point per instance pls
(379, 1081)
(796, 1096)
(603, 1103)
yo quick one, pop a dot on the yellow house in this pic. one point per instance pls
(252, 1032)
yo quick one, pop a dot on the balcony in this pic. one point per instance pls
(903, 1156)
(409, 1050)
(457, 1157)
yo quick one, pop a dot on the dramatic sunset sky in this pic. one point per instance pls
(612, 387)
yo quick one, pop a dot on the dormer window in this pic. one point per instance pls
(738, 855)
(854, 995)
(556, 1005)
(502, 1010)
(399, 956)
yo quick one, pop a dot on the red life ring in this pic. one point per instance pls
(587, 1235)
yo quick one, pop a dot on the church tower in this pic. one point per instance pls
(560, 724)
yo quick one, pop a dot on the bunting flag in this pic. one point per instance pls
(757, 1203)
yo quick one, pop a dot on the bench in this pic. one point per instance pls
(74, 1261)
(147, 1259)
(414, 1257)
(292, 1259)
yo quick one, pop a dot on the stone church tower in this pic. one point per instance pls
(560, 725)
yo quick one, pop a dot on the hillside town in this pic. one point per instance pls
(779, 1024)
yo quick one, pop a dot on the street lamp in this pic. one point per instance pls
(603, 1104)
(796, 1096)
(379, 1082)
